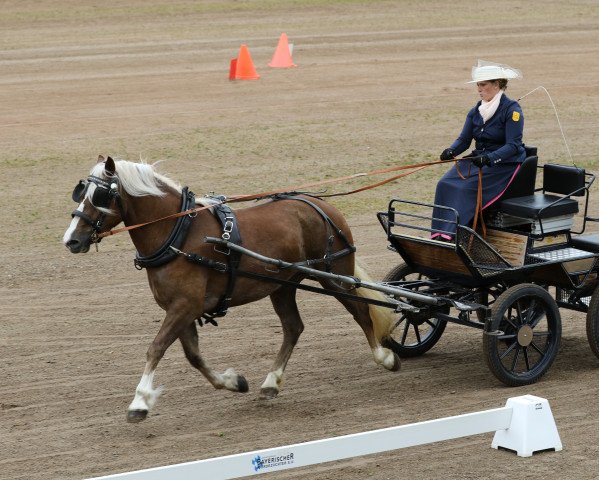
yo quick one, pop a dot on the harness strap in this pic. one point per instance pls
(176, 239)
(95, 224)
(328, 257)
(204, 261)
(228, 221)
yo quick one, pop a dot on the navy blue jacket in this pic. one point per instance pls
(500, 138)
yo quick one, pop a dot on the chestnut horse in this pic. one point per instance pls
(286, 229)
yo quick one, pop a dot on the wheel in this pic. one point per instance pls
(414, 333)
(529, 328)
(593, 322)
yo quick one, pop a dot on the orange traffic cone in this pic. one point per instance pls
(243, 68)
(232, 69)
(282, 56)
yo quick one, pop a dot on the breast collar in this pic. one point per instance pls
(176, 239)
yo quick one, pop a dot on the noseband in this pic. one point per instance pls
(103, 196)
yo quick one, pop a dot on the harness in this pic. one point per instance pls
(332, 230)
(104, 193)
(107, 191)
(228, 221)
(231, 234)
(176, 239)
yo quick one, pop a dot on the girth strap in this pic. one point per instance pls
(228, 221)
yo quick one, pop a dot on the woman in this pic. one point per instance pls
(496, 124)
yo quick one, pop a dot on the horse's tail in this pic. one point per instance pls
(382, 317)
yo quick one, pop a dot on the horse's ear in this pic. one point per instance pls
(100, 159)
(110, 167)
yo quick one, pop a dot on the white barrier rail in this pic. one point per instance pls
(525, 425)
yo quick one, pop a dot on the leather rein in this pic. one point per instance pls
(478, 210)
(257, 196)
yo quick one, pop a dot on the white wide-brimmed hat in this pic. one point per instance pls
(484, 71)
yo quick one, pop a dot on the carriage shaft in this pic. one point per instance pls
(356, 282)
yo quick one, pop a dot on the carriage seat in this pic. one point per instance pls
(540, 206)
(589, 242)
(523, 183)
(547, 212)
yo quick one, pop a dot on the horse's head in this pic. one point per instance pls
(100, 207)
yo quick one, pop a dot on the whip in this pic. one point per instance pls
(540, 87)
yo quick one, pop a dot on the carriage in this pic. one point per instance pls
(508, 281)
(511, 283)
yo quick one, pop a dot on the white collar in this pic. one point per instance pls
(488, 109)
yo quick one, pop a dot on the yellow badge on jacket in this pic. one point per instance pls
(515, 116)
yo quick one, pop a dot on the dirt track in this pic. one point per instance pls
(377, 84)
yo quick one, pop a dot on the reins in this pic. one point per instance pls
(478, 211)
(256, 196)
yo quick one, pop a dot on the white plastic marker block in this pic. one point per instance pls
(532, 428)
(524, 425)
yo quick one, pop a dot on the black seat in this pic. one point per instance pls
(589, 242)
(523, 183)
(561, 179)
(539, 206)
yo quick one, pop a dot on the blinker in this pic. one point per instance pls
(103, 193)
(79, 191)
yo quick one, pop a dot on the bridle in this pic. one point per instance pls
(104, 194)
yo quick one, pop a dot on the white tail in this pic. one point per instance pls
(382, 317)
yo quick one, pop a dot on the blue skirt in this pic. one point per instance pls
(460, 194)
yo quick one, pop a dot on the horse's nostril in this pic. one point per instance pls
(73, 245)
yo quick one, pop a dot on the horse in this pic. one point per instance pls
(295, 229)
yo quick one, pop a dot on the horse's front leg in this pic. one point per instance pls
(176, 320)
(229, 379)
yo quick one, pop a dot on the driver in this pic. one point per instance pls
(496, 124)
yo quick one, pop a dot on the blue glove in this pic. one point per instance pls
(480, 161)
(447, 154)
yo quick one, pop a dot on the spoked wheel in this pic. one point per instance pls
(593, 322)
(528, 331)
(415, 333)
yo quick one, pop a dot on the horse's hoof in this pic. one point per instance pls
(268, 393)
(396, 363)
(242, 384)
(136, 416)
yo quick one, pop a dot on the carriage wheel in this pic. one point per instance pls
(414, 333)
(529, 329)
(593, 322)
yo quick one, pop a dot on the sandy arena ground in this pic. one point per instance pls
(378, 84)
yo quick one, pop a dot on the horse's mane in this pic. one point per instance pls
(138, 179)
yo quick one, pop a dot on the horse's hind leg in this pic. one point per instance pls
(283, 301)
(229, 379)
(374, 320)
